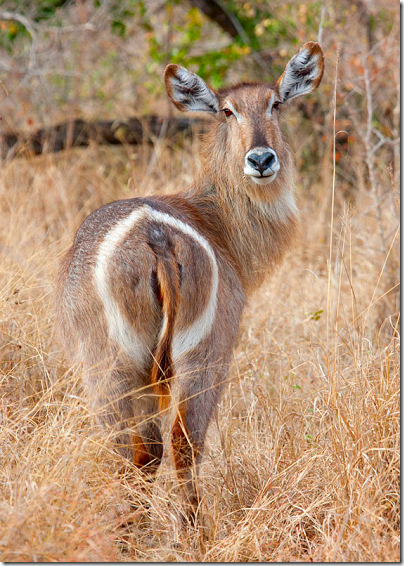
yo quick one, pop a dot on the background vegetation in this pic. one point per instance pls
(302, 462)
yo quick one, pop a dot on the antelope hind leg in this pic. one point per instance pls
(199, 394)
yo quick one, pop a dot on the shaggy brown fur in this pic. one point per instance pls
(152, 291)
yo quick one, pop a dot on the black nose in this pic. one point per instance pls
(261, 162)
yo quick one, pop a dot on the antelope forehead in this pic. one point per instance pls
(248, 108)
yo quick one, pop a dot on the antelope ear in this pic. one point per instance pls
(188, 92)
(303, 73)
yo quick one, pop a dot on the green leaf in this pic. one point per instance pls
(118, 28)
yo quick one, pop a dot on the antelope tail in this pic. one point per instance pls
(168, 289)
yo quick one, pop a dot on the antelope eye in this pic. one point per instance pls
(227, 112)
(275, 105)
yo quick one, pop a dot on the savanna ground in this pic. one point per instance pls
(302, 461)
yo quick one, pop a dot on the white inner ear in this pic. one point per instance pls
(193, 93)
(299, 75)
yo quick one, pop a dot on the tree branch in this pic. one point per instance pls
(213, 10)
(29, 26)
(79, 133)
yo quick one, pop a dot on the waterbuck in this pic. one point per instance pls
(152, 291)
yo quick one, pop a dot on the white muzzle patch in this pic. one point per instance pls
(261, 165)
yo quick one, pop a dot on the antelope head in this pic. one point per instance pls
(249, 135)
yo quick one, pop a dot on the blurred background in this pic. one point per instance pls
(303, 460)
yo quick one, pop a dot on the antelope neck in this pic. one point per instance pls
(253, 233)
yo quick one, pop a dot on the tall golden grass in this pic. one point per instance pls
(302, 461)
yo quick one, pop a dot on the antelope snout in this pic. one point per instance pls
(261, 162)
(261, 165)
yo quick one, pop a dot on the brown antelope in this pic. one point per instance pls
(152, 291)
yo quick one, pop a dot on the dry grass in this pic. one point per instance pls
(302, 462)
